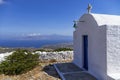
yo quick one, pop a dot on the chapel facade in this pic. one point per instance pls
(97, 45)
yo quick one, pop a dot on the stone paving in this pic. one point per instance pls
(69, 71)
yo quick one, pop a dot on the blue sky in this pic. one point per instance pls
(23, 17)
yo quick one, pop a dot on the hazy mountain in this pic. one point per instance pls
(46, 37)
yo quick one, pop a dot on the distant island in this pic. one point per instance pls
(36, 41)
(49, 47)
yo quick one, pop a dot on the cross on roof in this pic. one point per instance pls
(89, 8)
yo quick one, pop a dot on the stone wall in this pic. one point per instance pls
(57, 56)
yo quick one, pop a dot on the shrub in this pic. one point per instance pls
(19, 62)
(63, 49)
(44, 50)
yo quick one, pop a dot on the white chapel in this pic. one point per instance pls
(97, 45)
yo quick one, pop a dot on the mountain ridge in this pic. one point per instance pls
(40, 37)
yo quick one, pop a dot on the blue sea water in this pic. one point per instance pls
(30, 43)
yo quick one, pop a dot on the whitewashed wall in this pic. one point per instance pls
(96, 46)
(113, 50)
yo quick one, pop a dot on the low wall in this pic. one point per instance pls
(58, 56)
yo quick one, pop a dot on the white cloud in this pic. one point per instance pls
(32, 34)
(2, 1)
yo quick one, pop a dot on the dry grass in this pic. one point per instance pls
(37, 73)
(44, 71)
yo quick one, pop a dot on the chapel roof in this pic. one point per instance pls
(104, 19)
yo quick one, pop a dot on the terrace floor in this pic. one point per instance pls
(69, 71)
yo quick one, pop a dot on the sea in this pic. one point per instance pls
(30, 43)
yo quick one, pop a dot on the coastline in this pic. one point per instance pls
(46, 47)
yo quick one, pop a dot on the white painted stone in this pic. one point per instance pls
(3, 55)
(103, 44)
(58, 56)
